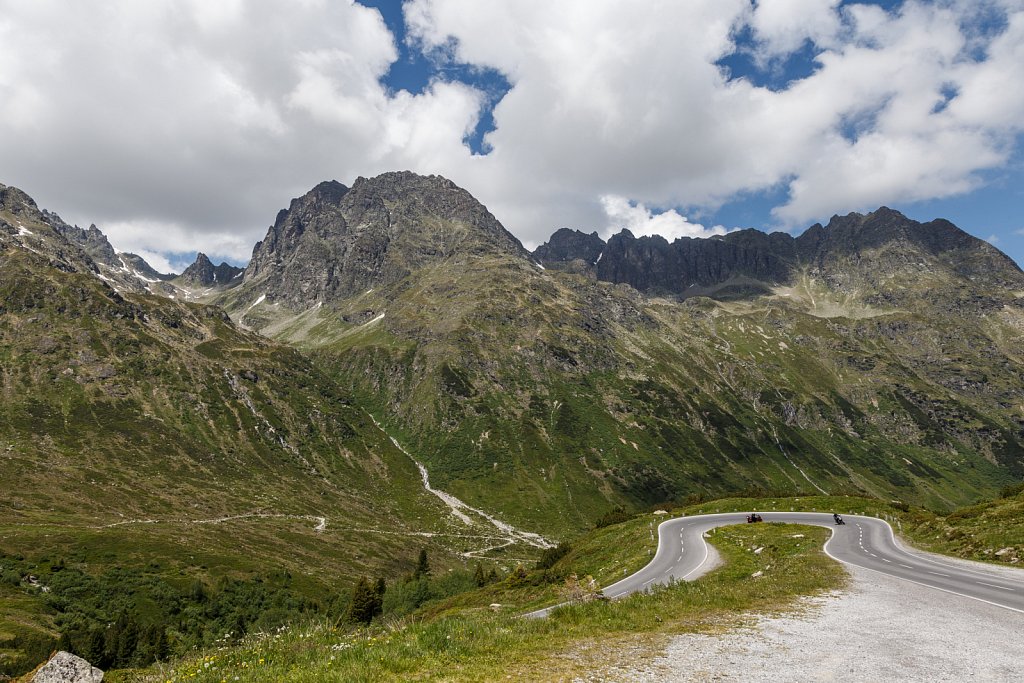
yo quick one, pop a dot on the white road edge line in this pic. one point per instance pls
(944, 590)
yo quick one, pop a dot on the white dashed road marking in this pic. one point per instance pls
(992, 585)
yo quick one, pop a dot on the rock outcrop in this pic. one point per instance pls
(570, 249)
(875, 254)
(203, 273)
(65, 667)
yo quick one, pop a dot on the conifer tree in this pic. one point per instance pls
(127, 640)
(379, 588)
(478, 576)
(364, 603)
(95, 648)
(422, 565)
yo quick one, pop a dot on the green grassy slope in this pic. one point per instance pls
(550, 398)
(155, 438)
(471, 642)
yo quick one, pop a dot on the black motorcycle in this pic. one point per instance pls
(839, 520)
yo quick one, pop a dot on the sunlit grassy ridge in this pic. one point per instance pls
(992, 531)
(477, 644)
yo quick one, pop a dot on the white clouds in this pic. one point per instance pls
(914, 144)
(608, 100)
(140, 236)
(782, 26)
(205, 116)
(642, 222)
(184, 125)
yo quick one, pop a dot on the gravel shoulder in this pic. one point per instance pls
(879, 629)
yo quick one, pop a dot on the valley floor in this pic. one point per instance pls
(880, 629)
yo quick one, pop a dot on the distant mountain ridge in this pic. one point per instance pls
(203, 273)
(697, 266)
(751, 359)
(124, 271)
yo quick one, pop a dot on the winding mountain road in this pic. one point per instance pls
(866, 542)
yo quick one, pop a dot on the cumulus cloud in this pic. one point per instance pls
(608, 100)
(782, 26)
(184, 125)
(206, 117)
(623, 214)
(137, 236)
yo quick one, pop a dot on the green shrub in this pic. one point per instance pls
(1011, 490)
(614, 516)
(550, 556)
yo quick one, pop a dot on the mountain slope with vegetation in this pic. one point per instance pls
(175, 471)
(152, 452)
(877, 355)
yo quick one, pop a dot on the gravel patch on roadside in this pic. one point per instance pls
(880, 629)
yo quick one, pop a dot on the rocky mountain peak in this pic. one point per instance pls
(91, 240)
(569, 248)
(203, 273)
(336, 241)
(17, 203)
(328, 191)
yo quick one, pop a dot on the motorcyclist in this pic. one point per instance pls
(835, 516)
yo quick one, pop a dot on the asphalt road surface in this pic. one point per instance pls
(866, 542)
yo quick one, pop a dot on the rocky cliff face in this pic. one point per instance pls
(570, 250)
(875, 254)
(92, 241)
(23, 225)
(202, 273)
(335, 241)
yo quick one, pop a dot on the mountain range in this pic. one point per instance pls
(396, 324)
(875, 354)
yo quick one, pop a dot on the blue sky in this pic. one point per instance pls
(182, 125)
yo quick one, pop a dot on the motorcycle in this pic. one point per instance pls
(754, 518)
(839, 520)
